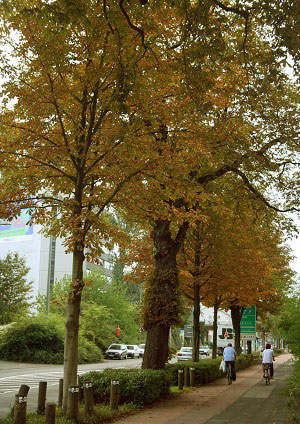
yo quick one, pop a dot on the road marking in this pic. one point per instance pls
(12, 383)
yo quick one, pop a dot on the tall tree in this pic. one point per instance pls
(15, 290)
(70, 141)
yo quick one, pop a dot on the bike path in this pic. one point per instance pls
(246, 400)
(260, 405)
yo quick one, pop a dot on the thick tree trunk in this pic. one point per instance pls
(236, 315)
(156, 352)
(215, 331)
(162, 299)
(72, 325)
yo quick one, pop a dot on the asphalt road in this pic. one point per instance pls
(13, 374)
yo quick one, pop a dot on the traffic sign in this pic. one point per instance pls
(188, 331)
(248, 321)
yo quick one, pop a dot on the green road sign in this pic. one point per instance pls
(188, 331)
(248, 321)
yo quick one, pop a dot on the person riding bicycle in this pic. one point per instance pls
(268, 358)
(229, 358)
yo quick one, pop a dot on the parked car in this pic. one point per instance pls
(133, 351)
(204, 350)
(185, 354)
(142, 349)
(116, 351)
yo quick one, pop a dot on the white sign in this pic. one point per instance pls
(248, 336)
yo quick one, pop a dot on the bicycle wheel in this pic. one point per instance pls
(267, 376)
(229, 377)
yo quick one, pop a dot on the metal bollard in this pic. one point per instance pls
(73, 398)
(186, 376)
(42, 397)
(180, 379)
(114, 394)
(50, 413)
(88, 397)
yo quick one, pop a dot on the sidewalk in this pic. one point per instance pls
(248, 400)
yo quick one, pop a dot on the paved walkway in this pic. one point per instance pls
(247, 401)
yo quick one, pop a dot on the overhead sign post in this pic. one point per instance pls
(248, 324)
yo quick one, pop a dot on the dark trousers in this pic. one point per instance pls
(233, 372)
(271, 369)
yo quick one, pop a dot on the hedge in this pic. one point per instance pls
(206, 370)
(140, 387)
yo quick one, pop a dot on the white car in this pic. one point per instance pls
(142, 349)
(133, 351)
(116, 351)
(185, 354)
(204, 350)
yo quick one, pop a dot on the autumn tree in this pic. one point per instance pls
(69, 140)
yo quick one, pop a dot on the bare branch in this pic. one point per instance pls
(259, 195)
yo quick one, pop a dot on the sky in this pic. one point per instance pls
(295, 246)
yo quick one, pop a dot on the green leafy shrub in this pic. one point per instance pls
(88, 352)
(207, 370)
(243, 361)
(140, 387)
(34, 342)
(40, 339)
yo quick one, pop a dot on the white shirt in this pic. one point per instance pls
(229, 353)
(268, 356)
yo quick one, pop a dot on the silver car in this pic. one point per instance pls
(116, 351)
(142, 349)
(185, 354)
(133, 351)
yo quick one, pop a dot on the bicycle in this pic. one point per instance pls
(229, 376)
(266, 374)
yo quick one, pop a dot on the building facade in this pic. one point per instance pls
(44, 256)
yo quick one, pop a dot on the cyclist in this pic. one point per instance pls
(268, 358)
(229, 357)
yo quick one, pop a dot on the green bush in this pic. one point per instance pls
(243, 361)
(88, 352)
(206, 370)
(140, 387)
(32, 342)
(40, 340)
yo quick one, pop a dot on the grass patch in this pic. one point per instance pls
(102, 414)
(175, 389)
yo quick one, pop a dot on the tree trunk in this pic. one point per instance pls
(249, 347)
(236, 315)
(72, 325)
(215, 331)
(196, 324)
(161, 303)
(196, 294)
